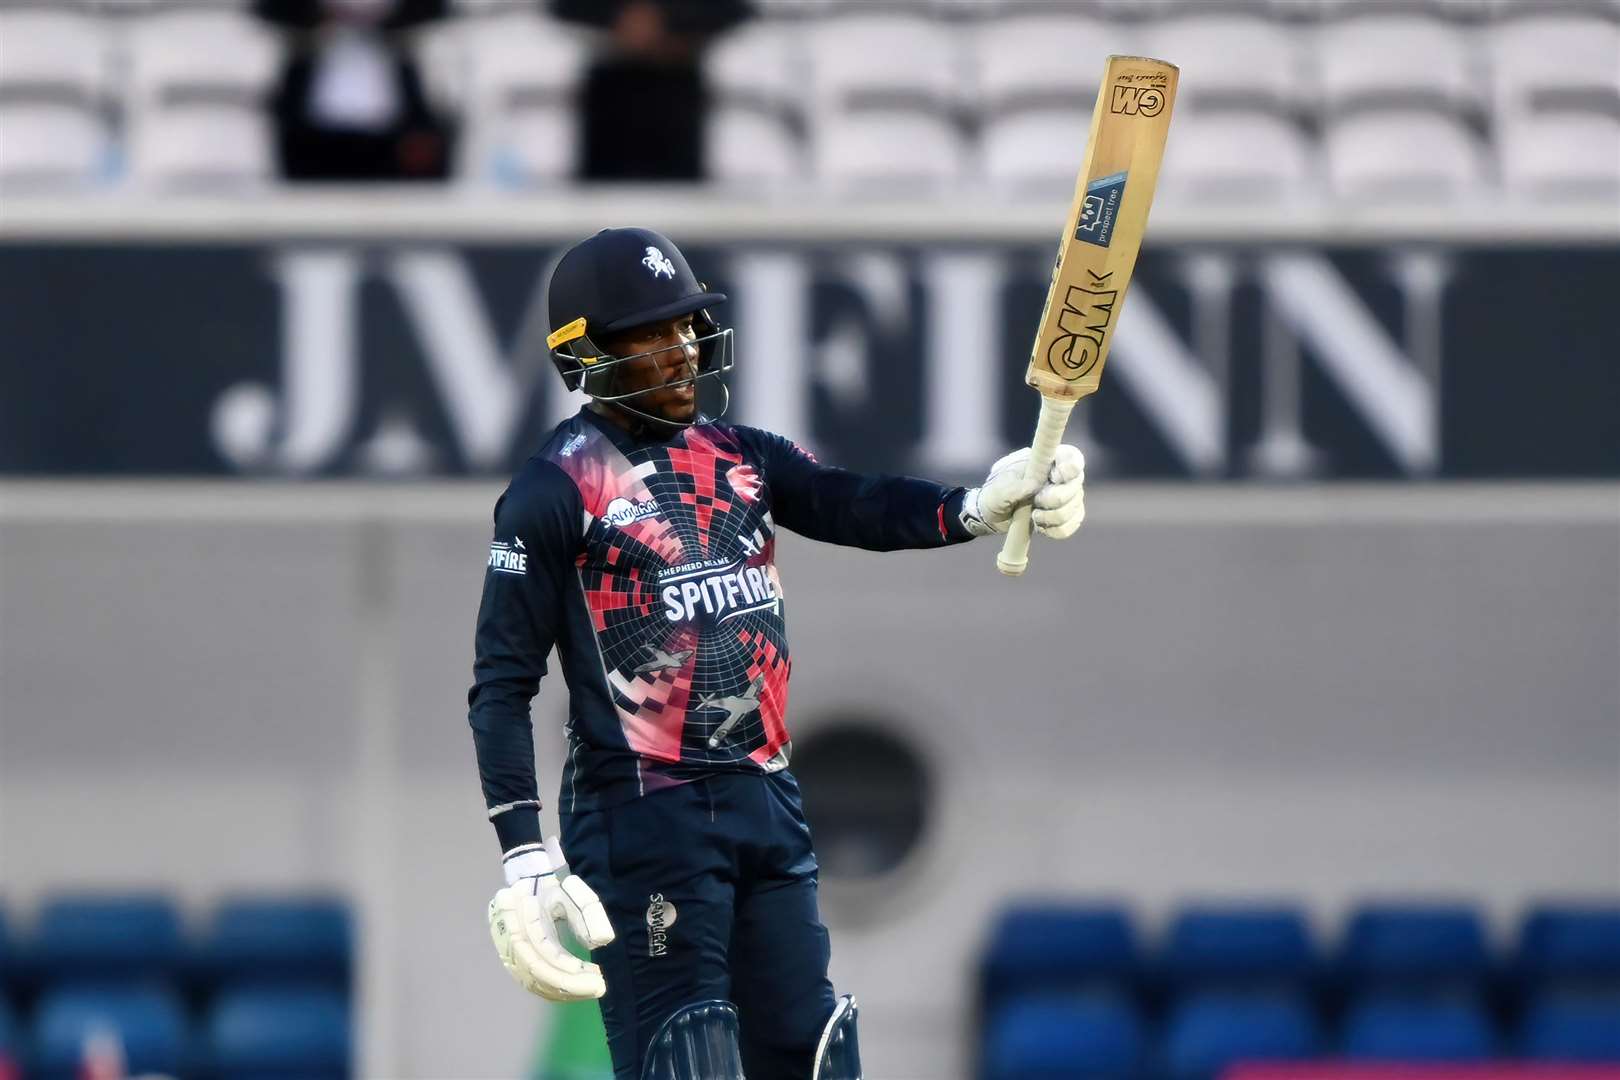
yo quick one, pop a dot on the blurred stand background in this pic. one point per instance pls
(1317, 747)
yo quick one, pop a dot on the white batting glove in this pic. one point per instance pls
(523, 920)
(989, 508)
(1060, 505)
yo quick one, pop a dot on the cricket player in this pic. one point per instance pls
(640, 543)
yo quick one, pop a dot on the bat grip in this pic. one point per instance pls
(1014, 554)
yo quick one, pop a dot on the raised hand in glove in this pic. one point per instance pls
(523, 920)
(1059, 500)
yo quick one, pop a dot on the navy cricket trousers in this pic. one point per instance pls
(711, 888)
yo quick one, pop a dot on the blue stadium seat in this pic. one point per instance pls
(1064, 1038)
(106, 937)
(1056, 947)
(306, 940)
(1572, 1027)
(1571, 943)
(1209, 1031)
(1396, 1027)
(1213, 945)
(1427, 946)
(148, 1021)
(266, 1032)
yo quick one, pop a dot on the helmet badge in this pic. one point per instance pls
(656, 262)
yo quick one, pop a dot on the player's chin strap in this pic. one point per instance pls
(659, 423)
(698, 1042)
(838, 1054)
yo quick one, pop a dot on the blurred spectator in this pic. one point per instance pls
(351, 105)
(643, 102)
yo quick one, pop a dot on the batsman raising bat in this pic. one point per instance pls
(640, 543)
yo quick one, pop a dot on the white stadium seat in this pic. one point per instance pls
(1564, 153)
(56, 49)
(521, 95)
(1385, 57)
(48, 144)
(200, 49)
(1553, 51)
(886, 94)
(204, 145)
(756, 78)
(1034, 149)
(1402, 156)
(749, 146)
(54, 83)
(899, 149)
(1231, 56)
(199, 82)
(1233, 156)
(1036, 76)
(1039, 59)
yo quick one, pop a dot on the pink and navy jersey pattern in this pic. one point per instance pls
(650, 566)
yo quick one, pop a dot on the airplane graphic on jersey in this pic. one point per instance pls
(649, 566)
(735, 706)
(663, 661)
(677, 569)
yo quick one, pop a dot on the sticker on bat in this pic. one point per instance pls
(1103, 195)
(1085, 319)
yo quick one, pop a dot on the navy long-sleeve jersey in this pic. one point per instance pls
(650, 566)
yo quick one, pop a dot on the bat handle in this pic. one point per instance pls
(1014, 554)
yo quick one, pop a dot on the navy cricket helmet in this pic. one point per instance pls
(617, 280)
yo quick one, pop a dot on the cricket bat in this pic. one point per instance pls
(1095, 258)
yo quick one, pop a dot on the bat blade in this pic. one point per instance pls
(1097, 254)
(1104, 230)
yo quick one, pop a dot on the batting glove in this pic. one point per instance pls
(523, 921)
(1059, 502)
(1060, 505)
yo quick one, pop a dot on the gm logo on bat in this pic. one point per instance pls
(1087, 314)
(1137, 100)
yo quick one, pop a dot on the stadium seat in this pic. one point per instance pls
(1559, 50)
(1207, 1032)
(1403, 1028)
(67, 52)
(1064, 1038)
(521, 89)
(885, 101)
(1402, 154)
(1039, 948)
(256, 1034)
(1422, 946)
(199, 81)
(148, 1023)
(1561, 151)
(1036, 76)
(52, 97)
(755, 77)
(1239, 156)
(306, 940)
(1231, 59)
(101, 937)
(1568, 943)
(1572, 1027)
(1229, 944)
(1374, 59)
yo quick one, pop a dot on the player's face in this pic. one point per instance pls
(674, 358)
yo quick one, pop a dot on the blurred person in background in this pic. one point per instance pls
(642, 104)
(351, 104)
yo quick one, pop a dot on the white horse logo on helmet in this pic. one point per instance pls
(658, 264)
